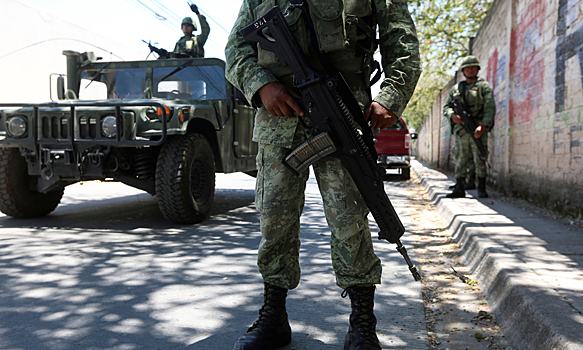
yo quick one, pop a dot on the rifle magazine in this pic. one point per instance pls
(309, 152)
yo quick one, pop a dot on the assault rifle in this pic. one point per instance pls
(330, 106)
(161, 52)
(468, 124)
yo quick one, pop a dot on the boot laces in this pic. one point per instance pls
(364, 324)
(362, 320)
(271, 309)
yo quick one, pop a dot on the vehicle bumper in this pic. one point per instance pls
(63, 141)
(393, 162)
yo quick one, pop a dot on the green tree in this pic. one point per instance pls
(444, 28)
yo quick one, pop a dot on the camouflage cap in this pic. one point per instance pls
(188, 20)
(470, 61)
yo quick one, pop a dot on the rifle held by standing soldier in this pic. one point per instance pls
(331, 107)
(469, 125)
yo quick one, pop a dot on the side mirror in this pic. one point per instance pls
(61, 87)
(413, 136)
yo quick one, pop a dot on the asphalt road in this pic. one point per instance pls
(106, 271)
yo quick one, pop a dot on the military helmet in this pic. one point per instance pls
(470, 61)
(188, 20)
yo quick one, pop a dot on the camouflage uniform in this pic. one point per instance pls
(482, 108)
(280, 194)
(194, 46)
(456, 154)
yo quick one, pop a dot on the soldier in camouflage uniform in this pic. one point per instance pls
(349, 27)
(479, 102)
(193, 45)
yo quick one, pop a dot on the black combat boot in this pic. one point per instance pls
(482, 188)
(271, 330)
(362, 333)
(458, 191)
(471, 184)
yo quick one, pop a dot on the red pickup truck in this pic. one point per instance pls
(393, 145)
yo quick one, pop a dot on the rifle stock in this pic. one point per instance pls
(468, 125)
(332, 109)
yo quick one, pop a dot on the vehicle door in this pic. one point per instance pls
(244, 116)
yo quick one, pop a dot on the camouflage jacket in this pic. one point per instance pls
(399, 49)
(480, 103)
(194, 46)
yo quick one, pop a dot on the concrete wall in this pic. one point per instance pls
(31, 43)
(531, 51)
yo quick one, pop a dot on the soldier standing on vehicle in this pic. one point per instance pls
(279, 194)
(477, 99)
(190, 44)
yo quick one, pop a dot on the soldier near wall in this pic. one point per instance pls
(477, 99)
(190, 44)
(346, 33)
(471, 183)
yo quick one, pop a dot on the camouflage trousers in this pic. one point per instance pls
(456, 154)
(279, 198)
(468, 154)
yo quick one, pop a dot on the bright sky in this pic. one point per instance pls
(131, 21)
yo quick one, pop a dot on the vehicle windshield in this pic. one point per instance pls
(189, 82)
(398, 125)
(200, 82)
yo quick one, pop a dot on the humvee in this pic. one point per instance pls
(163, 126)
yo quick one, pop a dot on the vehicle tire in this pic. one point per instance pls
(18, 195)
(405, 173)
(185, 179)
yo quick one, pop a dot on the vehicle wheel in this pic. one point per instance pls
(185, 179)
(18, 195)
(405, 173)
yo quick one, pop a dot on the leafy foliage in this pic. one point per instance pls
(444, 28)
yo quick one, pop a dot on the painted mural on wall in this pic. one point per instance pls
(496, 76)
(569, 44)
(527, 65)
(566, 138)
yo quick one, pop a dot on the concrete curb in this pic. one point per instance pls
(520, 277)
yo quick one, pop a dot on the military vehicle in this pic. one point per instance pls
(163, 126)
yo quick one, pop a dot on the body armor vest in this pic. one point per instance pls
(474, 98)
(345, 33)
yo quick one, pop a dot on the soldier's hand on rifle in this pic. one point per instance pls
(457, 119)
(480, 129)
(379, 116)
(279, 100)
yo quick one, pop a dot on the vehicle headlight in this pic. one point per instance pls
(109, 126)
(151, 113)
(16, 126)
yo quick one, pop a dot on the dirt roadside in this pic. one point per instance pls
(457, 314)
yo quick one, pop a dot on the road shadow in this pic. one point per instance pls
(125, 213)
(111, 274)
